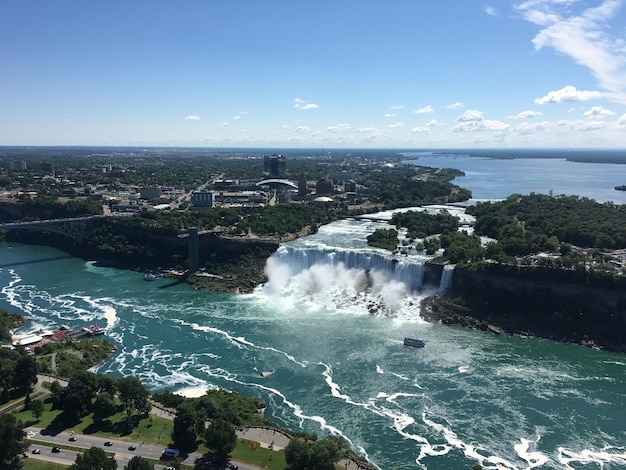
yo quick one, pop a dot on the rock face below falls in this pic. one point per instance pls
(522, 304)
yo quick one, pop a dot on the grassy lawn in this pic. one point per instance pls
(151, 429)
(251, 452)
(32, 464)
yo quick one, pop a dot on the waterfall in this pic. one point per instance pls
(335, 269)
(408, 272)
(446, 277)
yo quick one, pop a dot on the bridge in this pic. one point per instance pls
(74, 227)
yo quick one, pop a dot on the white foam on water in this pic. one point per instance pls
(606, 456)
(240, 341)
(533, 459)
(9, 290)
(453, 442)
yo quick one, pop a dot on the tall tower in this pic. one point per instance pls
(194, 249)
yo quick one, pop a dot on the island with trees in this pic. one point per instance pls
(548, 266)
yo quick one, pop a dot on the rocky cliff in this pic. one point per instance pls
(518, 303)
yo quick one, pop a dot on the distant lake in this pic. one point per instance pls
(494, 178)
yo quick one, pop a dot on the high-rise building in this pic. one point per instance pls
(275, 166)
(202, 198)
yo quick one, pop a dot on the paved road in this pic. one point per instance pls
(85, 441)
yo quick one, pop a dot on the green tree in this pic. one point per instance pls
(36, 407)
(104, 407)
(184, 433)
(139, 463)
(94, 459)
(25, 373)
(312, 455)
(11, 444)
(220, 437)
(56, 390)
(77, 397)
(134, 395)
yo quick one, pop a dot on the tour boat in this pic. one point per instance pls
(416, 343)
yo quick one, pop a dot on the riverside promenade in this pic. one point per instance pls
(267, 437)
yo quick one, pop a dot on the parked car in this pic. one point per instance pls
(72, 438)
(56, 450)
(108, 443)
(36, 451)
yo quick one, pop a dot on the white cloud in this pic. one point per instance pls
(192, 118)
(492, 125)
(472, 120)
(366, 129)
(527, 128)
(470, 115)
(304, 104)
(301, 129)
(424, 110)
(421, 130)
(396, 107)
(390, 115)
(622, 120)
(225, 123)
(456, 105)
(585, 35)
(598, 112)
(285, 126)
(432, 123)
(491, 11)
(588, 126)
(525, 115)
(339, 128)
(236, 117)
(396, 124)
(568, 93)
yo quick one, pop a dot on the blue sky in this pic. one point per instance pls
(317, 74)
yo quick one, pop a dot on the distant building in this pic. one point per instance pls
(349, 187)
(324, 187)
(202, 198)
(149, 193)
(341, 176)
(241, 198)
(302, 186)
(275, 166)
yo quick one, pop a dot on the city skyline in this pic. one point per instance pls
(401, 74)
